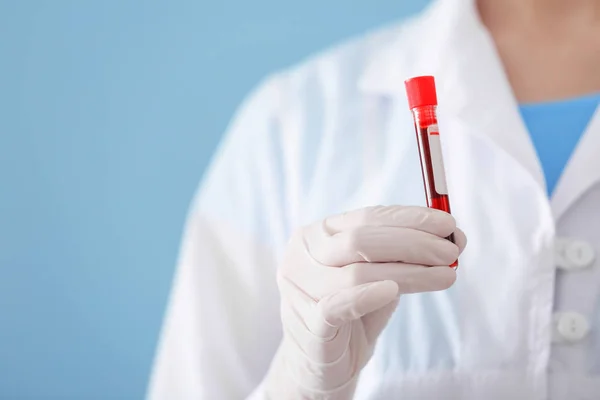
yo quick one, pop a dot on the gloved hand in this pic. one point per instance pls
(340, 282)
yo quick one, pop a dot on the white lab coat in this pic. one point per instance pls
(335, 134)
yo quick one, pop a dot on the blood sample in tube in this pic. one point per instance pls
(422, 100)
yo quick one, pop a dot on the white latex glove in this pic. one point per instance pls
(340, 282)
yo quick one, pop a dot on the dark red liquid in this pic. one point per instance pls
(433, 198)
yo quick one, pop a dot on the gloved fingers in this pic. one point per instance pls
(410, 278)
(301, 311)
(381, 244)
(306, 328)
(353, 303)
(425, 219)
(460, 239)
(311, 336)
(375, 322)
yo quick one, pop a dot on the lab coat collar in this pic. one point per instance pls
(430, 41)
(474, 91)
(582, 171)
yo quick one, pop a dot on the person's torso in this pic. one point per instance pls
(514, 324)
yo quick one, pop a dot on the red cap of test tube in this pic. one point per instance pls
(420, 91)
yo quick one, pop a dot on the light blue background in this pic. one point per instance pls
(109, 111)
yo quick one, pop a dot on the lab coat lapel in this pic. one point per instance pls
(582, 170)
(473, 90)
(487, 104)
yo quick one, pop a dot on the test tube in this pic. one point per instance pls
(422, 100)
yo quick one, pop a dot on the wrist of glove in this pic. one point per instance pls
(340, 281)
(288, 379)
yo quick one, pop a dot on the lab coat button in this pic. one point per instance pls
(573, 254)
(571, 326)
(580, 254)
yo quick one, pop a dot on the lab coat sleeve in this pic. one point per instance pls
(222, 324)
